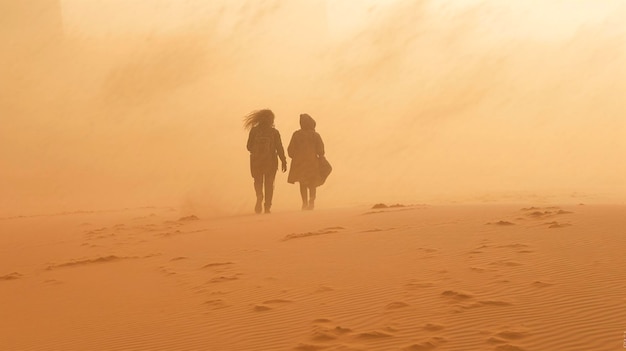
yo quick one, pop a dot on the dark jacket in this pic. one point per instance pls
(265, 148)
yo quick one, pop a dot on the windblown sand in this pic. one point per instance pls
(414, 278)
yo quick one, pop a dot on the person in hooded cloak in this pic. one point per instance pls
(306, 148)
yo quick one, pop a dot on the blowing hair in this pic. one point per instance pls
(263, 117)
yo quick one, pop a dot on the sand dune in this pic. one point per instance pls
(407, 278)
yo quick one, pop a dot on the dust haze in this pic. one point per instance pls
(140, 103)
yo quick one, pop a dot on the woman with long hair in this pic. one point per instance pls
(306, 148)
(265, 148)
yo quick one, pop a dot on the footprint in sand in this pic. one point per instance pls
(457, 295)
(376, 230)
(216, 304)
(166, 271)
(261, 308)
(276, 302)
(396, 305)
(497, 303)
(324, 334)
(222, 279)
(501, 223)
(220, 267)
(383, 208)
(503, 339)
(480, 269)
(170, 233)
(525, 251)
(268, 305)
(514, 246)
(556, 224)
(506, 263)
(479, 249)
(325, 231)
(431, 344)
(189, 218)
(460, 296)
(97, 260)
(11, 276)
(540, 213)
(323, 324)
(217, 264)
(540, 284)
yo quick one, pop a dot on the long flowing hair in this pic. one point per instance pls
(263, 117)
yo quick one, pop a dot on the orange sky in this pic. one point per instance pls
(417, 103)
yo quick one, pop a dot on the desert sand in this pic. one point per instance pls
(417, 277)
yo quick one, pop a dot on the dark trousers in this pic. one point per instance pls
(265, 181)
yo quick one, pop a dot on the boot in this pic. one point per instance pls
(313, 194)
(305, 197)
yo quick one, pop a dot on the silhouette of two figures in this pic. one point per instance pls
(309, 166)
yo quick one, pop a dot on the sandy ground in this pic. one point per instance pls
(412, 278)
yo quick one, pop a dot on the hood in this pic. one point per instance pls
(307, 122)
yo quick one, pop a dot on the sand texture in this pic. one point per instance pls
(414, 278)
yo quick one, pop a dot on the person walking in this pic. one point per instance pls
(265, 148)
(306, 149)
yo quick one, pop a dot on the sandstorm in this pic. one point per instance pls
(140, 103)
